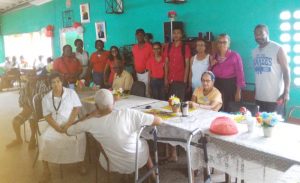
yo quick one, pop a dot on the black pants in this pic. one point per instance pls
(271, 107)
(227, 87)
(157, 88)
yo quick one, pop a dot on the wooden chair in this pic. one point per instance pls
(291, 116)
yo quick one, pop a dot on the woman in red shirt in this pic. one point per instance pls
(156, 65)
(97, 63)
(114, 56)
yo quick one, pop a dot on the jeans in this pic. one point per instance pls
(98, 78)
(157, 88)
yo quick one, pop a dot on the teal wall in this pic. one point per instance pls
(237, 18)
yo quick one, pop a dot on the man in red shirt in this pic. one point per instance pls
(177, 59)
(141, 53)
(68, 66)
(98, 62)
(176, 68)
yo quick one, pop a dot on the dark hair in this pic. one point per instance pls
(97, 41)
(211, 74)
(111, 57)
(67, 45)
(54, 75)
(207, 46)
(262, 26)
(140, 30)
(149, 35)
(156, 43)
(76, 41)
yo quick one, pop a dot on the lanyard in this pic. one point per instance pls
(53, 103)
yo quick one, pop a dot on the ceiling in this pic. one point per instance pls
(9, 5)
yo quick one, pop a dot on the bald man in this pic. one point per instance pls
(117, 131)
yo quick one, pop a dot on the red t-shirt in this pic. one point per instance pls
(156, 68)
(67, 65)
(112, 71)
(176, 62)
(98, 61)
(141, 56)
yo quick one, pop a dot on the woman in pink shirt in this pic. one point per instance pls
(227, 66)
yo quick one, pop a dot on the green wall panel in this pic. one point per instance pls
(237, 18)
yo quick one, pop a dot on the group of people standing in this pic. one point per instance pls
(213, 79)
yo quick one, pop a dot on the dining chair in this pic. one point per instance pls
(292, 116)
(138, 88)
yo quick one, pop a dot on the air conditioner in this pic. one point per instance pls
(39, 2)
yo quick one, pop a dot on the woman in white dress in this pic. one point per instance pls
(60, 108)
(199, 64)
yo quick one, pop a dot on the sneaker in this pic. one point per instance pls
(14, 143)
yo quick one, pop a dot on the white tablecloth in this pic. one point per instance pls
(291, 176)
(248, 156)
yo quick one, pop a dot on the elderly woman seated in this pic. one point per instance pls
(60, 108)
(207, 96)
(116, 130)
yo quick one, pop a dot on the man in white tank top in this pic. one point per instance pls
(272, 77)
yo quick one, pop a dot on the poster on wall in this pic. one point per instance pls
(100, 31)
(85, 13)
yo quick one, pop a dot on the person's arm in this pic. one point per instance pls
(191, 73)
(53, 123)
(240, 79)
(72, 117)
(106, 74)
(282, 60)
(187, 64)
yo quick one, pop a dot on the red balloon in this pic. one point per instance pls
(49, 28)
(76, 24)
(49, 33)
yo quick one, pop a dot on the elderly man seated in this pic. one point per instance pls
(207, 96)
(122, 78)
(117, 131)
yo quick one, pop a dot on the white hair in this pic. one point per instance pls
(104, 99)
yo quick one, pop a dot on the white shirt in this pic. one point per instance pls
(8, 66)
(117, 133)
(69, 100)
(269, 83)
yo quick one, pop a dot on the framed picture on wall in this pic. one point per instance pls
(85, 13)
(100, 31)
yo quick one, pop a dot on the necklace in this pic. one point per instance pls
(53, 103)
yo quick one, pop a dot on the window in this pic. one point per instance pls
(290, 39)
(29, 45)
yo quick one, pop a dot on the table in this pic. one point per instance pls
(292, 175)
(242, 155)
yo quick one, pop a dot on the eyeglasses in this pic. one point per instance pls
(205, 81)
(222, 42)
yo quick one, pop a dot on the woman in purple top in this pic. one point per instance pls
(227, 66)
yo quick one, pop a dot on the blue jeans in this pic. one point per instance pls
(157, 88)
(98, 78)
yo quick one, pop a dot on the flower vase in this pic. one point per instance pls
(268, 131)
(117, 97)
(175, 108)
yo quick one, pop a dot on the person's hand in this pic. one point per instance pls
(237, 97)
(283, 98)
(59, 129)
(213, 62)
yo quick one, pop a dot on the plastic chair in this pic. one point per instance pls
(293, 119)
(138, 88)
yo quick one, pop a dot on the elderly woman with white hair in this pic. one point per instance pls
(117, 130)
